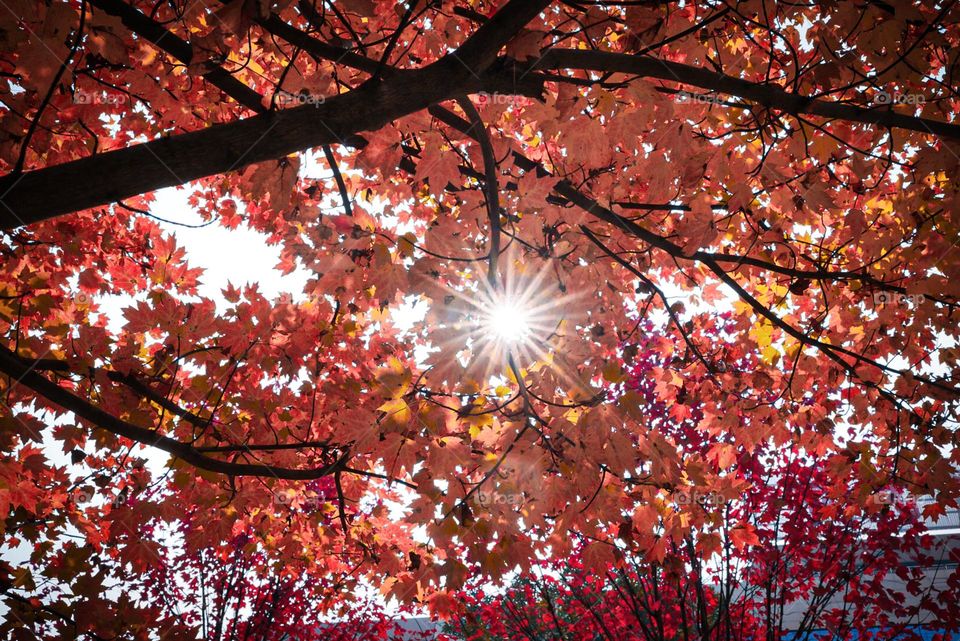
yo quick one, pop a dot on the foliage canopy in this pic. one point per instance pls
(751, 203)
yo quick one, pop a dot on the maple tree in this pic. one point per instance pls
(780, 557)
(178, 584)
(771, 182)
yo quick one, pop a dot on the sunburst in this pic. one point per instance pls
(498, 327)
(507, 322)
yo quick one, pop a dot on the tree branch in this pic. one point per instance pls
(154, 32)
(222, 148)
(23, 374)
(768, 95)
(491, 188)
(341, 185)
(570, 194)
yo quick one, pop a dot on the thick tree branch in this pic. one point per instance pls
(222, 148)
(129, 380)
(768, 95)
(166, 162)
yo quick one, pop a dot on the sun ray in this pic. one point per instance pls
(489, 326)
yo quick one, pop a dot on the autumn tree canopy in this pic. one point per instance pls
(755, 199)
(784, 560)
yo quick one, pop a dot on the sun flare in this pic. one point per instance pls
(503, 328)
(507, 322)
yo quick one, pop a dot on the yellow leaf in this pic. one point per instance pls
(398, 412)
(394, 378)
(770, 355)
(762, 334)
